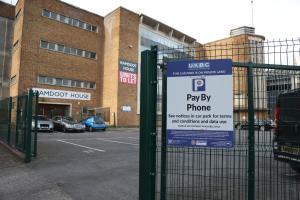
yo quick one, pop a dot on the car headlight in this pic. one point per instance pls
(68, 126)
(275, 145)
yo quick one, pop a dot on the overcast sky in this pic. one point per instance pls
(209, 20)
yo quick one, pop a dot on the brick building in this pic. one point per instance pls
(82, 63)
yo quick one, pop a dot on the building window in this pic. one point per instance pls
(58, 81)
(66, 82)
(44, 44)
(68, 50)
(52, 46)
(68, 20)
(46, 13)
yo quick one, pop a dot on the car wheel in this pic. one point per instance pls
(104, 129)
(91, 129)
(64, 129)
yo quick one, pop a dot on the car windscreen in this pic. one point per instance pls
(99, 120)
(40, 118)
(68, 120)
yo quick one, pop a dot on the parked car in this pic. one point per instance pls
(286, 142)
(94, 123)
(43, 123)
(66, 124)
(265, 125)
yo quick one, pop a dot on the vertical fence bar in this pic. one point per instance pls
(17, 121)
(148, 125)
(35, 124)
(28, 118)
(9, 120)
(163, 181)
(251, 137)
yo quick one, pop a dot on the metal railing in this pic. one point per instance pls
(18, 130)
(261, 72)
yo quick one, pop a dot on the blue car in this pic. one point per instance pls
(94, 123)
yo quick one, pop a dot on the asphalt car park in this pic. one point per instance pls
(89, 165)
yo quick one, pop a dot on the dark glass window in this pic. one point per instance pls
(93, 55)
(94, 28)
(88, 27)
(79, 52)
(51, 46)
(73, 83)
(78, 84)
(42, 79)
(92, 86)
(49, 80)
(46, 13)
(62, 18)
(87, 54)
(66, 82)
(81, 24)
(67, 50)
(58, 81)
(86, 84)
(60, 47)
(73, 51)
(75, 22)
(53, 15)
(44, 44)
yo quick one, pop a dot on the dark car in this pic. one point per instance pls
(66, 124)
(94, 123)
(286, 143)
(43, 123)
(265, 125)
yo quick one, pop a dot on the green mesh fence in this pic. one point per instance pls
(249, 170)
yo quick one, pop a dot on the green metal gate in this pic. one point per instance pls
(261, 71)
(18, 130)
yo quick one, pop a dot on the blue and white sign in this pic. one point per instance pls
(200, 103)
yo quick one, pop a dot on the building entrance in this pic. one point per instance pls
(52, 110)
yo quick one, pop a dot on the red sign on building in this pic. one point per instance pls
(127, 72)
(128, 78)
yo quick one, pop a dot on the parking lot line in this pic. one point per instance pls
(100, 150)
(115, 141)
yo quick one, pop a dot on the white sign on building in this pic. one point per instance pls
(62, 94)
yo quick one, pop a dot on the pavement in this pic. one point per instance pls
(74, 166)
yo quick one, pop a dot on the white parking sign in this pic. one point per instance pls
(200, 103)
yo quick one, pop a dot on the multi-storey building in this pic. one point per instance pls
(84, 63)
(243, 46)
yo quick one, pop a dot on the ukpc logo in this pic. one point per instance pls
(198, 84)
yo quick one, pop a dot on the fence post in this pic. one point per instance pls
(35, 123)
(147, 171)
(28, 122)
(17, 121)
(9, 120)
(163, 180)
(251, 137)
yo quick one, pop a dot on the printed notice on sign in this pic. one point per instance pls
(200, 103)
